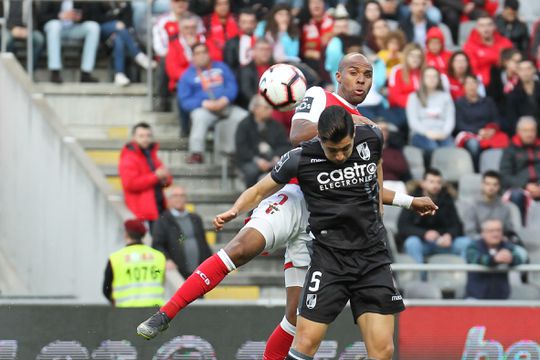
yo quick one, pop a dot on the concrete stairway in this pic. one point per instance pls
(100, 117)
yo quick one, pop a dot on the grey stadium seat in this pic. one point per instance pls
(490, 160)
(415, 159)
(452, 162)
(421, 290)
(461, 206)
(390, 217)
(515, 215)
(448, 280)
(524, 292)
(465, 29)
(391, 242)
(405, 277)
(448, 42)
(470, 186)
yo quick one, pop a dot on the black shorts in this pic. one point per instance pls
(336, 276)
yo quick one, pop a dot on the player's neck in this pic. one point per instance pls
(344, 97)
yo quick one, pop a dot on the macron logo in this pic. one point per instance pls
(317, 160)
(397, 298)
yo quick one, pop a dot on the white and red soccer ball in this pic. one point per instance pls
(283, 86)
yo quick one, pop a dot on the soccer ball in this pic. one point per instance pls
(283, 86)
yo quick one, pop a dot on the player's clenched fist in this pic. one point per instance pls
(221, 219)
(424, 206)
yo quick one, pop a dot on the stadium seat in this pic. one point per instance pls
(405, 277)
(524, 292)
(448, 42)
(529, 236)
(461, 205)
(533, 214)
(415, 159)
(448, 280)
(452, 162)
(391, 242)
(469, 186)
(515, 215)
(490, 160)
(390, 217)
(465, 29)
(421, 290)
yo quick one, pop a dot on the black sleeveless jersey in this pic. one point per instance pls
(343, 199)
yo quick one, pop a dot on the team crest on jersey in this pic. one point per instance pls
(282, 161)
(305, 105)
(311, 301)
(363, 151)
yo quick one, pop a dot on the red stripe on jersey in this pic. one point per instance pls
(288, 265)
(331, 99)
(293, 181)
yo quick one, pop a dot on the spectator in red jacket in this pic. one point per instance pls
(220, 27)
(484, 47)
(404, 79)
(459, 67)
(436, 55)
(143, 175)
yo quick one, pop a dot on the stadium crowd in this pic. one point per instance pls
(447, 74)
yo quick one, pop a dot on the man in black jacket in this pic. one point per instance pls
(509, 25)
(520, 165)
(180, 235)
(238, 50)
(438, 234)
(71, 20)
(416, 25)
(260, 141)
(524, 100)
(249, 75)
(17, 20)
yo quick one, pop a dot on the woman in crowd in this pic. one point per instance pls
(504, 77)
(431, 114)
(459, 66)
(317, 27)
(281, 31)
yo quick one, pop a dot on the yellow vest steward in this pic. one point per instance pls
(138, 275)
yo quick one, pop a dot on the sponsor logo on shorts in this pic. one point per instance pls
(363, 151)
(397, 298)
(311, 301)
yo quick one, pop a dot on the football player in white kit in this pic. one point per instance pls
(281, 219)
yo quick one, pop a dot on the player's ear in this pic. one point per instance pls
(338, 77)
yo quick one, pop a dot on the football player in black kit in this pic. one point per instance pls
(337, 173)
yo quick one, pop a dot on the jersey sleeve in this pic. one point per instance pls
(287, 167)
(312, 105)
(379, 135)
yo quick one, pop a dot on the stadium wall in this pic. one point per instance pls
(59, 219)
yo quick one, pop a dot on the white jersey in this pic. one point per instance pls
(316, 100)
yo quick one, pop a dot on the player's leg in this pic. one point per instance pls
(378, 334)
(247, 244)
(309, 335)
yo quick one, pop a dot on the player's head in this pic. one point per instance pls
(354, 76)
(336, 131)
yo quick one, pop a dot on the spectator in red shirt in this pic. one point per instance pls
(220, 27)
(436, 55)
(316, 33)
(249, 75)
(143, 175)
(484, 47)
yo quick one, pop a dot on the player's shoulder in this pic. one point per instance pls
(363, 132)
(311, 105)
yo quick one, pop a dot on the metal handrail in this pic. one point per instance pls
(30, 50)
(399, 267)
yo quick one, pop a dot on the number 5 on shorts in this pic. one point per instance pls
(315, 281)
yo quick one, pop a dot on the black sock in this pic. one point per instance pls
(296, 355)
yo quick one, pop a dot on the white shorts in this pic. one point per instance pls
(282, 219)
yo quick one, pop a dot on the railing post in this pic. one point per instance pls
(29, 40)
(3, 42)
(149, 71)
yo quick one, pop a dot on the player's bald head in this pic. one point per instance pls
(353, 59)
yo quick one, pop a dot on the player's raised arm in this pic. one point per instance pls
(281, 174)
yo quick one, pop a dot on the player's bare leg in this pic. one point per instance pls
(378, 334)
(246, 245)
(308, 338)
(280, 341)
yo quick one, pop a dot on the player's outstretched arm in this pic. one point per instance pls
(422, 205)
(248, 200)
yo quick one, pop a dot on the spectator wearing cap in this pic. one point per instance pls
(180, 235)
(143, 175)
(436, 54)
(509, 25)
(492, 250)
(135, 274)
(484, 47)
(238, 51)
(520, 166)
(260, 141)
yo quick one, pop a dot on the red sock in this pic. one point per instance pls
(279, 342)
(206, 277)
